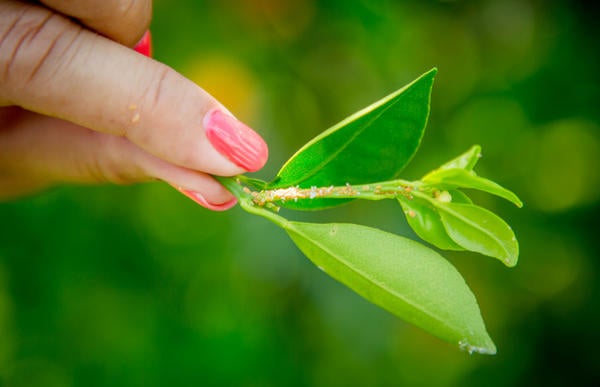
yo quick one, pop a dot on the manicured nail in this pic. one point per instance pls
(235, 140)
(198, 198)
(144, 46)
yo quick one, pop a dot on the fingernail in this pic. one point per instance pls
(235, 140)
(144, 46)
(198, 198)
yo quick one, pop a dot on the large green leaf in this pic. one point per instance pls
(373, 144)
(477, 229)
(398, 274)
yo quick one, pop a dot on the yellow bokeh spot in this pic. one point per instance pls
(564, 170)
(229, 81)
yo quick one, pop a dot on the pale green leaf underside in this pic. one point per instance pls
(374, 144)
(400, 275)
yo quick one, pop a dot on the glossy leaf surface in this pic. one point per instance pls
(398, 274)
(374, 144)
(477, 229)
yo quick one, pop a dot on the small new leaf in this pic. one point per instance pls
(465, 161)
(400, 275)
(460, 178)
(477, 229)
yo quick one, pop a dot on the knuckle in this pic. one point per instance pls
(138, 13)
(159, 88)
(171, 109)
(154, 100)
(29, 43)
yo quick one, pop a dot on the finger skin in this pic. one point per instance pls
(123, 21)
(50, 65)
(38, 151)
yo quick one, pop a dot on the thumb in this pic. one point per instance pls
(50, 65)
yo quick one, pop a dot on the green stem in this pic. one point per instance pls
(262, 201)
(374, 191)
(246, 201)
(252, 208)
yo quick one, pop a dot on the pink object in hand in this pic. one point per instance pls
(235, 140)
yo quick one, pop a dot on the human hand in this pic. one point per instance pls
(78, 106)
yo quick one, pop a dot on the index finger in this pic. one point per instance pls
(52, 66)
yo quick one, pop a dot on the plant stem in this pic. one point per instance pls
(375, 191)
(246, 200)
(269, 197)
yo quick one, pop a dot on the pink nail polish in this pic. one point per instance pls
(144, 46)
(198, 198)
(235, 140)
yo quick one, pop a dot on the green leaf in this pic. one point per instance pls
(424, 219)
(459, 197)
(460, 178)
(374, 144)
(465, 161)
(477, 229)
(400, 275)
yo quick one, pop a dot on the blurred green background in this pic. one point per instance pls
(139, 286)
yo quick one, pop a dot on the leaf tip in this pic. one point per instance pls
(510, 261)
(486, 347)
(429, 75)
